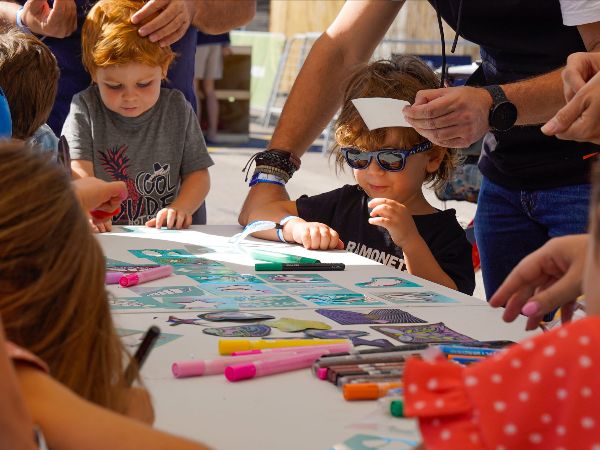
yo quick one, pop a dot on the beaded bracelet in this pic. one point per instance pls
(274, 159)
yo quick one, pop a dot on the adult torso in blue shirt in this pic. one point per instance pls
(74, 78)
(520, 39)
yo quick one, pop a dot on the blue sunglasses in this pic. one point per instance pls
(390, 159)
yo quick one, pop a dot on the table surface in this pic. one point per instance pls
(292, 410)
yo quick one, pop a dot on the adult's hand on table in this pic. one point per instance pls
(168, 20)
(548, 278)
(452, 117)
(59, 21)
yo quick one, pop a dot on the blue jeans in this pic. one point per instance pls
(511, 224)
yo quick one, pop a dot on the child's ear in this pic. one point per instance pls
(436, 156)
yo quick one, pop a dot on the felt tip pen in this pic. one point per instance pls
(281, 257)
(141, 353)
(228, 346)
(368, 391)
(365, 359)
(333, 348)
(240, 372)
(464, 360)
(112, 277)
(283, 267)
(467, 351)
(393, 405)
(145, 276)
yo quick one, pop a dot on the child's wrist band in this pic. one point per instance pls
(19, 21)
(279, 228)
(260, 177)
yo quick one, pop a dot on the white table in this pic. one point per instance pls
(285, 411)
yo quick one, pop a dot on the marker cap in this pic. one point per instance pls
(240, 372)
(363, 391)
(322, 373)
(129, 280)
(397, 408)
(188, 369)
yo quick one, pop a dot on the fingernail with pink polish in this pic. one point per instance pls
(531, 309)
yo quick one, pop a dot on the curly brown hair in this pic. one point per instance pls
(400, 77)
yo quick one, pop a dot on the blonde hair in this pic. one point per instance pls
(52, 296)
(29, 77)
(399, 78)
(109, 38)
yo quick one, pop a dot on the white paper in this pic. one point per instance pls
(378, 112)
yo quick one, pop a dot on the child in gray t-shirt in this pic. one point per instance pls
(127, 128)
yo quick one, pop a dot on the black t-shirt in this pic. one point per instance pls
(520, 39)
(345, 210)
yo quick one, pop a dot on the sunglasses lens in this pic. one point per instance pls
(391, 160)
(357, 159)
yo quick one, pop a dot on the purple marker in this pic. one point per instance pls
(145, 276)
(112, 277)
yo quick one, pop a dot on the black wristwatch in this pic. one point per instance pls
(503, 113)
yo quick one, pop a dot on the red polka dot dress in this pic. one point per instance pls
(543, 393)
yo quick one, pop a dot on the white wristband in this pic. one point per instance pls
(279, 229)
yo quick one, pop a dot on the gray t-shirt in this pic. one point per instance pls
(150, 153)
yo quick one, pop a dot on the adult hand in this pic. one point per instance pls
(171, 217)
(452, 117)
(548, 278)
(59, 21)
(313, 235)
(394, 217)
(578, 120)
(170, 20)
(94, 193)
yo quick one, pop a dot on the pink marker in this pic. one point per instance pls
(112, 277)
(270, 366)
(198, 367)
(333, 348)
(145, 276)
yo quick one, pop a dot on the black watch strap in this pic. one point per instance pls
(497, 94)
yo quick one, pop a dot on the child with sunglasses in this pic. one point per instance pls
(385, 217)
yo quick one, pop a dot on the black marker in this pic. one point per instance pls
(306, 267)
(142, 353)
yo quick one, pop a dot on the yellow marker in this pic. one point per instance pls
(228, 346)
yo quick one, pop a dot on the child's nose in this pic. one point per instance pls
(374, 168)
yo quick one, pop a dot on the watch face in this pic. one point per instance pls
(503, 116)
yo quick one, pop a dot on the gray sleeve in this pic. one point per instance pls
(78, 131)
(195, 154)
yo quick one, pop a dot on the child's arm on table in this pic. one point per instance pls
(80, 169)
(69, 422)
(396, 218)
(312, 235)
(194, 188)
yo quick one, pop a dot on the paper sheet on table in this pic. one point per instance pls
(378, 112)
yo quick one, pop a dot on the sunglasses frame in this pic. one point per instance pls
(419, 148)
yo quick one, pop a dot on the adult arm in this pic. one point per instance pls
(548, 278)
(174, 17)
(71, 423)
(317, 92)
(58, 21)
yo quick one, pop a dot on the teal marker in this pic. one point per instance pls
(281, 257)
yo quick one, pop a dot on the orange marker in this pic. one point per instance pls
(368, 391)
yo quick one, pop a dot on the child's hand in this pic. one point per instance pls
(101, 226)
(394, 217)
(171, 217)
(314, 235)
(139, 405)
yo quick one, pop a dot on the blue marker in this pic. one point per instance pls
(467, 351)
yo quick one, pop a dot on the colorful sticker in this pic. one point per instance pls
(227, 278)
(292, 325)
(129, 268)
(372, 442)
(341, 299)
(256, 330)
(174, 321)
(387, 282)
(415, 298)
(308, 289)
(435, 333)
(166, 291)
(376, 316)
(381, 343)
(175, 256)
(240, 302)
(294, 278)
(234, 316)
(240, 289)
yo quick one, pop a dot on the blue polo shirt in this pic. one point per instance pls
(520, 39)
(74, 78)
